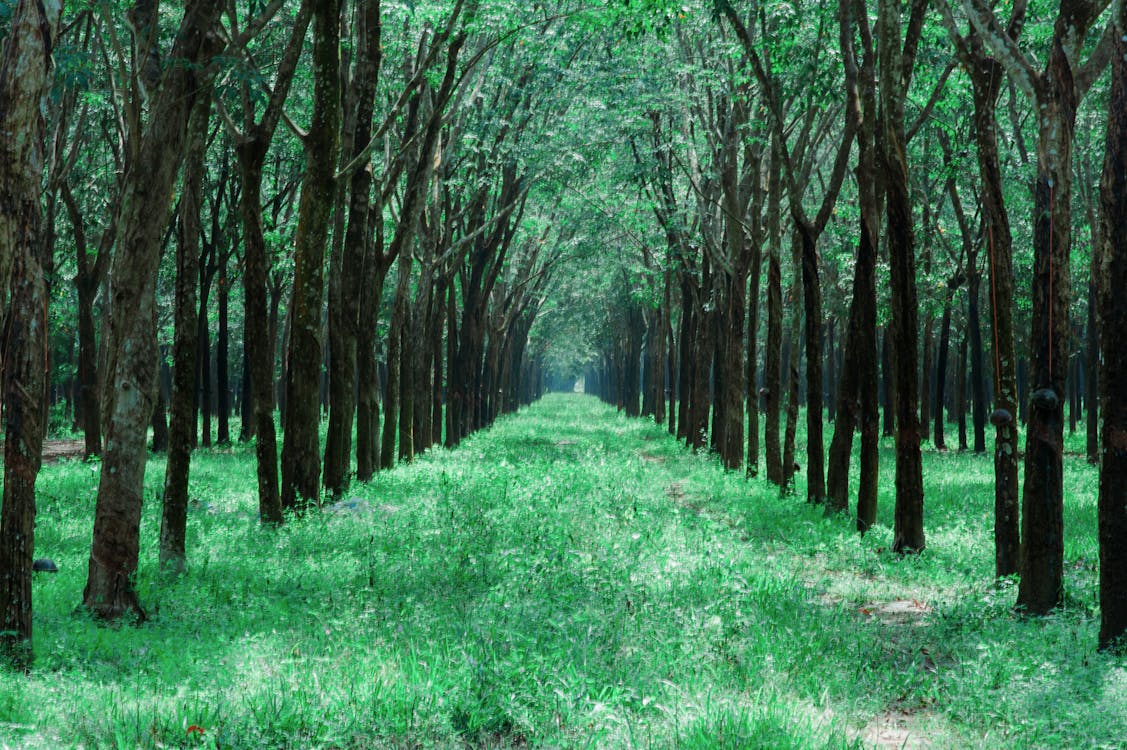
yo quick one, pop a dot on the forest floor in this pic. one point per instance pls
(567, 579)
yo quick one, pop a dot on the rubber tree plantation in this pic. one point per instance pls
(476, 373)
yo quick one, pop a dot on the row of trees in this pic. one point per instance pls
(428, 205)
(373, 171)
(854, 128)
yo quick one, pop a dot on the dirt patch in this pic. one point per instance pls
(648, 458)
(565, 443)
(56, 450)
(898, 612)
(675, 492)
(895, 729)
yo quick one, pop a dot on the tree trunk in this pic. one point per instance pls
(301, 455)
(908, 531)
(86, 281)
(159, 418)
(345, 311)
(773, 362)
(977, 376)
(391, 411)
(25, 68)
(961, 392)
(222, 346)
(941, 368)
(792, 359)
(131, 340)
(1113, 378)
(185, 354)
(812, 306)
(889, 384)
(926, 390)
(1092, 369)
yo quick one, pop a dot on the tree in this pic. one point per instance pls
(301, 454)
(185, 348)
(25, 70)
(1113, 373)
(986, 75)
(131, 338)
(252, 142)
(1056, 93)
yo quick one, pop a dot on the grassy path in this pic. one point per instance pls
(567, 579)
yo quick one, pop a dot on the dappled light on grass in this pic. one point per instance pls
(550, 584)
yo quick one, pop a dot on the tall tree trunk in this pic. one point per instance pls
(344, 312)
(222, 363)
(391, 411)
(25, 69)
(87, 279)
(926, 390)
(888, 381)
(203, 378)
(185, 354)
(1091, 370)
(812, 306)
(895, 73)
(301, 455)
(978, 379)
(961, 391)
(773, 360)
(941, 368)
(792, 359)
(1112, 277)
(131, 340)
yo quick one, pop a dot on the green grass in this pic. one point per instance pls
(566, 579)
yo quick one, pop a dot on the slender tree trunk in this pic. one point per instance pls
(908, 531)
(185, 354)
(301, 455)
(773, 361)
(941, 376)
(159, 417)
(203, 377)
(926, 377)
(222, 363)
(792, 359)
(961, 392)
(812, 305)
(391, 411)
(889, 384)
(257, 326)
(978, 379)
(1092, 369)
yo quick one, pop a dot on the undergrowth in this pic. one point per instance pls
(566, 579)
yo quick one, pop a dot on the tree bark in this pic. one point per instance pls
(344, 312)
(185, 354)
(25, 70)
(301, 454)
(222, 347)
(1112, 265)
(131, 340)
(895, 73)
